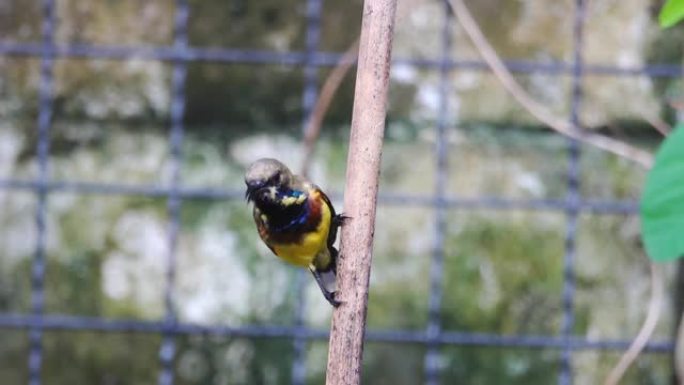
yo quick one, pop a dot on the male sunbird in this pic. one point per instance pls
(296, 220)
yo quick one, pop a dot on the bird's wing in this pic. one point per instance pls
(332, 233)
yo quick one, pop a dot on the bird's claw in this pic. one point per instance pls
(339, 219)
(330, 297)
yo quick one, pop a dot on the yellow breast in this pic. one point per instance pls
(311, 244)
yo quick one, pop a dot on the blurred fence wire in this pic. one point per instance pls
(311, 59)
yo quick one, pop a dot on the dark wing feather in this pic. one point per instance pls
(334, 221)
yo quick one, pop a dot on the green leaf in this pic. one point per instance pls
(671, 13)
(662, 204)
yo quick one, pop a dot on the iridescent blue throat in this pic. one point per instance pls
(287, 218)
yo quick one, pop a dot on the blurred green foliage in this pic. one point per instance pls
(671, 13)
(662, 205)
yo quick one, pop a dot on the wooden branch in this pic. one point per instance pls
(363, 167)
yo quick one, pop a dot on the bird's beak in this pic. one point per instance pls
(251, 190)
(249, 194)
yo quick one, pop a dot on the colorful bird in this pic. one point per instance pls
(296, 220)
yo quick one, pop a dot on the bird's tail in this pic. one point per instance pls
(329, 275)
(329, 280)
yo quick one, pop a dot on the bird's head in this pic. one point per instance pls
(264, 178)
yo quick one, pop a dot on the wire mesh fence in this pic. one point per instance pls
(434, 337)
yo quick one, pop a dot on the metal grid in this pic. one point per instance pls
(433, 337)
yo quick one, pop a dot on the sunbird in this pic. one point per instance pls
(296, 220)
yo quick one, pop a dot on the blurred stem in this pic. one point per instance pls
(679, 351)
(537, 109)
(678, 357)
(646, 330)
(328, 91)
(660, 125)
(332, 84)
